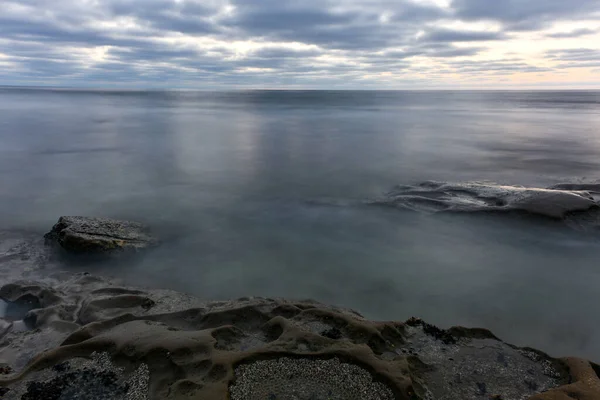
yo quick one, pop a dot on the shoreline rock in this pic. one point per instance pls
(556, 202)
(254, 347)
(100, 235)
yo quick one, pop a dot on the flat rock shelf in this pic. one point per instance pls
(100, 235)
(86, 336)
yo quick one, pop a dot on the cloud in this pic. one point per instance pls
(565, 59)
(590, 64)
(457, 52)
(333, 25)
(450, 35)
(575, 55)
(208, 43)
(525, 14)
(498, 67)
(572, 34)
(436, 51)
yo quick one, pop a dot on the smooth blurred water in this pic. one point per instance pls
(260, 193)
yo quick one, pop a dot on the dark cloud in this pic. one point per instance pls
(334, 25)
(448, 35)
(126, 54)
(148, 8)
(182, 24)
(184, 17)
(525, 14)
(269, 21)
(279, 58)
(318, 28)
(406, 11)
(457, 52)
(572, 34)
(283, 52)
(51, 33)
(168, 15)
(436, 51)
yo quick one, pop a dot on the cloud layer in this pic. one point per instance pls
(304, 44)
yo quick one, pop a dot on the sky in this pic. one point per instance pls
(301, 44)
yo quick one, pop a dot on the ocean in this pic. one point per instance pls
(271, 193)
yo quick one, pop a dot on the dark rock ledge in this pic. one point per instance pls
(100, 235)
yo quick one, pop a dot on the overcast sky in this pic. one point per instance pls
(387, 44)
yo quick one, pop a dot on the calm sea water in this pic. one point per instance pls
(260, 193)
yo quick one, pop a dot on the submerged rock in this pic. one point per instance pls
(99, 235)
(256, 349)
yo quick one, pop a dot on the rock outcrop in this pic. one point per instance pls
(89, 336)
(556, 202)
(100, 235)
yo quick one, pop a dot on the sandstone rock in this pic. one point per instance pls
(99, 235)
(256, 349)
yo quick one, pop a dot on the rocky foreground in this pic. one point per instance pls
(84, 337)
(87, 337)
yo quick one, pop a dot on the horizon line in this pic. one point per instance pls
(290, 89)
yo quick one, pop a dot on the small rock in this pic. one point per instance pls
(99, 235)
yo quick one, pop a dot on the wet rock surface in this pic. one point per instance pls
(92, 336)
(100, 235)
(556, 202)
(464, 368)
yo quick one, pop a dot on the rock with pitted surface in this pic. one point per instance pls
(100, 235)
(89, 338)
